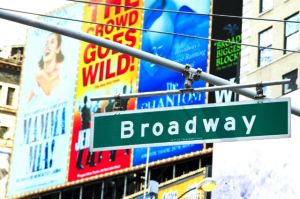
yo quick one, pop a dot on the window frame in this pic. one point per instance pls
(261, 49)
(286, 76)
(261, 6)
(288, 36)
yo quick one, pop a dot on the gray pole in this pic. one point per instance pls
(127, 50)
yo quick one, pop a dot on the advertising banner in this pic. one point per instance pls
(181, 188)
(184, 186)
(181, 49)
(160, 153)
(104, 72)
(42, 136)
(225, 57)
(177, 48)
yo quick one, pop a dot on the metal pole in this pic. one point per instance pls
(125, 186)
(207, 89)
(127, 50)
(146, 172)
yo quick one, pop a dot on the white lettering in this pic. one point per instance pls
(145, 125)
(126, 126)
(224, 95)
(173, 128)
(249, 124)
(157, 129)
(229, 124)
(211, 124)
(190, 125)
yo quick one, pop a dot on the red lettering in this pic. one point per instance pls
(107, 8)
(90, 30)
(129, 36)
(117, 38)
(89, 53)
(90, 75)
(121, 21)
(108, 73)
(94, 10)
(131, 3)
(110, 26)
(133, 17)
(99, 30)
(101, 71)
(104, 53)
(123, 64)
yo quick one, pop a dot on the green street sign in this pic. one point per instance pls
(204, 123)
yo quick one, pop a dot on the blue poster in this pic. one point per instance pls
(181, 49)
(43, 129)
(159, 153)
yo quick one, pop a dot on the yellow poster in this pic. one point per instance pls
(104, 72)
(181, 188)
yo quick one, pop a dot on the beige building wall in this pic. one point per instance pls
(281, 63)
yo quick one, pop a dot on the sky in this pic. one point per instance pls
(12, 33)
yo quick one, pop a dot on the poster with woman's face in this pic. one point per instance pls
(43, 127)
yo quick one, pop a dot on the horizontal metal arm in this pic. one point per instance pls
(128, 50)
(194, 90)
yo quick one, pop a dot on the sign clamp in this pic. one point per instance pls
(259, 91)
(189, 79)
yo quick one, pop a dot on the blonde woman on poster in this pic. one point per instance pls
(49, 79)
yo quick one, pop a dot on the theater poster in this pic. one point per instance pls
(43, 128)
(104, 72)
(184, 50)
(181, 49)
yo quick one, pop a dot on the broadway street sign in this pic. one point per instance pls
(259, 119)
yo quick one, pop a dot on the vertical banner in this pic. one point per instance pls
(225, 57)
(181, 49)
(104, 72)
(42, 136)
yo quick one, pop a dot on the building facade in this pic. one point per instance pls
(263, 64)
(10, 68)
(265, 168)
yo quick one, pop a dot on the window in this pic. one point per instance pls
(265, 42)
(291, 32)
(0, 94)
(10, 96)
(293, 76)
(265, 5)
(3, 130)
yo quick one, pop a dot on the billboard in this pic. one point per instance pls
(225, 57)
(42, 135)
(53, 123)
(103, 72)
(163, 152)
(259, 169)
(181, 49)
(180, 187)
